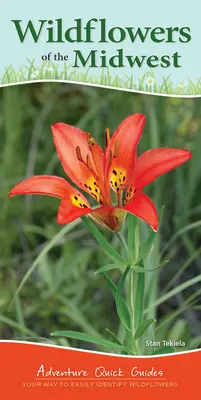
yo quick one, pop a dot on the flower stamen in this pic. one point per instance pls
(91, 140)
(92, 183)
(79, 155)
(116, 148)
(89, 164)
(110, 158)
(107, 137)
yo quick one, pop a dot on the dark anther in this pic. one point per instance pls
(107, 136)
(75, 197)
(116, 148)
(114, 172)
(110, 157)
(89, 165)
(78, 152)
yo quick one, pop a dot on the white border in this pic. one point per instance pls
(98, 352)
(103, 87)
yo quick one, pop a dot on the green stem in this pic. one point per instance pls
(137, 242)
(132, 296)
(123, 242)
(132, 290)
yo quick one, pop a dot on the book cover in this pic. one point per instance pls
(100, 139)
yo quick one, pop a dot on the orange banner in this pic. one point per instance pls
(37, 371)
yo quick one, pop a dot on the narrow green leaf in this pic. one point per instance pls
(165, 321)
(110, 251)
(111, 284)
(21, 328)
(143, 327)
(194, 255)
(132, 225)
(114, 336)
(113, 289)
(74, 312)
(123, 245)
(179, 233)
(122, 311)
(146, 249)
(139, 298)
(173, 292)
(109, 267)
(88, 338)
(164, 350)
(46, 249)
(139, 269)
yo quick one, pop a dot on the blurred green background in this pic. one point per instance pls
(63, 292)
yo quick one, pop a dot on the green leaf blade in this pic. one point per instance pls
(111, 285)
(131, 240)
(109, 267)
(139, 298)
(109, 250)
(146, 249)
(143, 327)
(122, 308)
(46, 249)
(88, 338)
(139, 269)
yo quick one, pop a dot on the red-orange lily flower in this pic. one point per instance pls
(97, 172)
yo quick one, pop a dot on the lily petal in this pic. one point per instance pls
(73, 149)
(156, 162)
(143, 207)
(68, 212)
(43, 184)
(73, 204)
(120, 155)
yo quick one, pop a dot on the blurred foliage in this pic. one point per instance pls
(63, 292)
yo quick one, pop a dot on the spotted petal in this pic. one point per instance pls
(120, 155)
(68, 211)
(73, 205)
(77, 158)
